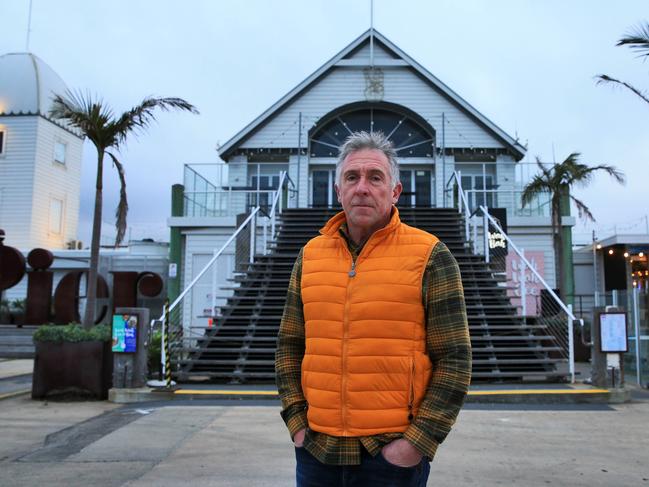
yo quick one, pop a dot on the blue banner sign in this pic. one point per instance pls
(125, 333)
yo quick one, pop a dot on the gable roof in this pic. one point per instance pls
(231, 145)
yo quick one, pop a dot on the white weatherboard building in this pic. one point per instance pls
(40, 159)
(370, 85)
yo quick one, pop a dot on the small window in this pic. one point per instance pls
(2, 142)
(59, 152)
(56, 216)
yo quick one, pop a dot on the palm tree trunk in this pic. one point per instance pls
(91, 284)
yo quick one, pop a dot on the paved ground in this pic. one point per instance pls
(245, 444)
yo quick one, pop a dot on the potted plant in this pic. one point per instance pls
(71, 359)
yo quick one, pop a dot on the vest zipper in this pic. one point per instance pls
(343, 381)
(411, 396)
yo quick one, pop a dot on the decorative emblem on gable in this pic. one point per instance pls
(373, 83)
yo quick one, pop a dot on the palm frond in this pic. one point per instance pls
(122, 207)
(140, 117)
(605, 79)
(637, 39)
(538, 184)
(582, 209)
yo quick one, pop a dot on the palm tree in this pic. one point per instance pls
(558, 181)
(637, 40)
(108, 133)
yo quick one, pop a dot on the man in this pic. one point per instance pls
(373, 358)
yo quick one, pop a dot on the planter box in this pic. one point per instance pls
(82, 367)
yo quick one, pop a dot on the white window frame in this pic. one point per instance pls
(61, 228)
(65, 152)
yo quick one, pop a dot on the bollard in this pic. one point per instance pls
(167, 347)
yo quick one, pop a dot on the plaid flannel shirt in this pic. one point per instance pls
(448, 345)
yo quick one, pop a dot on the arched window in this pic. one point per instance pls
(409, 137)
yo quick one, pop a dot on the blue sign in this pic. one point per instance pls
(124, 333)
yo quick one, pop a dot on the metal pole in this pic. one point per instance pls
(253, 224)
(443, 159)
(214, 285)
(167, 346)
(595, 283)
(485, 236)
(372, 33)
(29, 26)
(571, 346)
(523, 285)
(258, 194)
(265, 236)
(636, 326)
(299, 151)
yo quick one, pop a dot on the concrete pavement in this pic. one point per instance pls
(230, 443)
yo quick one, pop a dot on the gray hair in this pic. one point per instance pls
(369, 140)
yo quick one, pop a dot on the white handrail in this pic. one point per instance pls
(567, 309)
(252, 216)
(463, 203)
(527, 262)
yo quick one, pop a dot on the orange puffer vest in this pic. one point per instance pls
(365, 368)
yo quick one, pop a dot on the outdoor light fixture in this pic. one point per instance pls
(641, 254)
(599, 246)
(626, 254)
(610, 252)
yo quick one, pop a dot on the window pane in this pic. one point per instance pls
(59, 152)
(56, 215)
(320, 188)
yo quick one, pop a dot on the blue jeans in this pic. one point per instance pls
(372, 472)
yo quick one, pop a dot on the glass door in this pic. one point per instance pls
(417, 188)
(323, 193)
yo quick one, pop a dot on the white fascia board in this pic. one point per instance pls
(201, 221)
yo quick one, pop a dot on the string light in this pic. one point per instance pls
(626, 254)
(610, 252)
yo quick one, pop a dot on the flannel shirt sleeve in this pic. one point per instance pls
(289, 354)
(449, 347)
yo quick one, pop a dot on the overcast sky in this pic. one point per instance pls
(526, 65)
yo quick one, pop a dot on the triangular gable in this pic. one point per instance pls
(357, 53)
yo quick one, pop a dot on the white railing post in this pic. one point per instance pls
(523, 285)
(485, 230)
(253, 225)
(265, 236)
(214, 266)
(571, 345)
(636, 327)
(475, 236)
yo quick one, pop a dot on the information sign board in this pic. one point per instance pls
(612, 332)
(124, 333)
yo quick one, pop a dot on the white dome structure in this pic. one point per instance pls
(40, 158)
(27, 85)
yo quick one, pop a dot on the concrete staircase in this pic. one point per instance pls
(242, 347)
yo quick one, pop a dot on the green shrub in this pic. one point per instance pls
(73, 332)
(154, 351)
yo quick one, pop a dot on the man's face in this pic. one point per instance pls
(365, 191)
